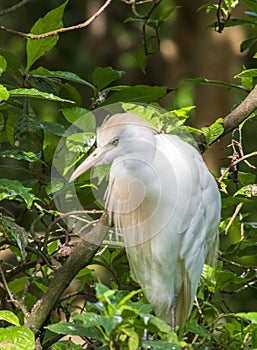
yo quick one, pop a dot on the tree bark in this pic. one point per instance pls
(79, 258)
(234, 118)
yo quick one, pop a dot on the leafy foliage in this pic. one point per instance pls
(41, 106)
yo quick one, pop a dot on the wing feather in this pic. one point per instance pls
(169, 218)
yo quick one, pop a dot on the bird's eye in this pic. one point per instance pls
(115, 141)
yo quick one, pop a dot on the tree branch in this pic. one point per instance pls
(234, 118)
(60, 30)
(79, 258)
(13, 8)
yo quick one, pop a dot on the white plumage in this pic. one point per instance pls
(164, 201)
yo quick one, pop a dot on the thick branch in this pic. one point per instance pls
(235, 118)
(79, 258)
(60, 30)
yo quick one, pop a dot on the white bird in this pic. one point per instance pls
(164, 201)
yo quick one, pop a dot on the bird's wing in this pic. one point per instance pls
(169, 219)
(196, 218)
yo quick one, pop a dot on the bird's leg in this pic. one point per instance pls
(173, 314)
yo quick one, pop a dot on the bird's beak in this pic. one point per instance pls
(88, 163)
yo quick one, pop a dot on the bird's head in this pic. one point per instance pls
(123, 135)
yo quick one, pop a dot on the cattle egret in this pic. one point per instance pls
(166, 204)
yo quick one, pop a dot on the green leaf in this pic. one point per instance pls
(43, 72)
(91, 319)
(102, 172)
(72, 114)
(137, 93)
(216, 82)
(251, 4)
(4, 94)
(160, 345)
(10, 127)
(20, 155)
(133, 338)
(143, 54)
(22, 92)
(80, 142)
(13, 63)
(212, 132)
(53, 128)
(225, 279)
(66, 344)
(104, 76)
(250, 316)
(246, 77)
(246, 44)
(17, 338)
(9, 316)
(87, 327)
(51, 21)
(3, 65)
(13, 189)
(2, 122)
(16, 232)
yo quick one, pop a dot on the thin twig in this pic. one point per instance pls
(238, 208)
(13, 8)
(234, 163)
(60, 30)
(12, 299)
(234, 118)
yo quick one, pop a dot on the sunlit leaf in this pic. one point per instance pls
(4, 94)
(73, 114)
(212, 132)
(10, 317)
(250, 316)
(17, 337)
(34, 93)
(13, 189)
(3, 65)
(51, 21)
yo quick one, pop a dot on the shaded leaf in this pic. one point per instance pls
(13, 62)
(137, 93)
(13, 189)
(53, 128)
(20, 155)
(2, 122)
(104, 76)
(10, 127)
(246, 44)
(43, 72)
(251, 4)
(215, 82)
(160, 345)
